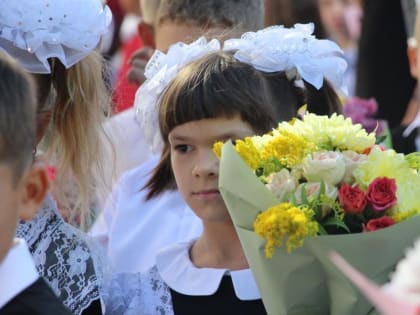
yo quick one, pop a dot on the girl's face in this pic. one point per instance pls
(332, 14)
(196, 168)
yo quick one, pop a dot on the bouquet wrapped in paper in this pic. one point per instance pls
(400, 296)
(311, 185)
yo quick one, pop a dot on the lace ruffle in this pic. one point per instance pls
(138, 294)
(63, 257)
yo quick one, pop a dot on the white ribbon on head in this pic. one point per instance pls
(294, 51)
(160, 71)
(32, 31)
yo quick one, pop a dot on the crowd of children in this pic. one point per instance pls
(129, 219)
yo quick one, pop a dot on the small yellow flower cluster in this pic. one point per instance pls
(285, 221)
(217, 149)
(246, 150)
(402, 216)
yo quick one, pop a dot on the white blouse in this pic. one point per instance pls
(17, 272)
(149, 293)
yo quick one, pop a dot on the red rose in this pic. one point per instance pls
(381, 193)
(377, 224)
(352, 199)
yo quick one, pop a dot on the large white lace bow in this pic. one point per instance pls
(293, 50)
(160, 71)
(34, 30)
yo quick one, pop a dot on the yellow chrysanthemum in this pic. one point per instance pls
(330, 133)
(382, 163)
(413, 160)
(407, 194)
(289, 148)
(217, 149)
(285, 222)
(248, 152)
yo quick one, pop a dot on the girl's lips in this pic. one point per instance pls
(207, 194)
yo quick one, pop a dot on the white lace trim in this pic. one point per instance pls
(63, 257)
(138, 294)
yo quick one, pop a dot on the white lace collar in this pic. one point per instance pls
(17, 272)
(179, 273)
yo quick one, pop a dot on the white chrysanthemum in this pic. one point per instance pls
(405, 281)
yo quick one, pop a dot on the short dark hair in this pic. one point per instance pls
(17, 115)
(245, 14)
(216, 85)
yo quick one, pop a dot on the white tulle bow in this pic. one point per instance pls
(160, 71)
(34, 30)
(293, 50)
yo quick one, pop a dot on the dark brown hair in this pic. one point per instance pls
(216, 85)
(288, 98)
(17, 116)
(246, 14)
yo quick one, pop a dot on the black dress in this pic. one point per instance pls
(224, 301)
(36, 299)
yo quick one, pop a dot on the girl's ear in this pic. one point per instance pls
(412, 59)
(34, 190)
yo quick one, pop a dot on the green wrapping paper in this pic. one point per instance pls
(305, 282)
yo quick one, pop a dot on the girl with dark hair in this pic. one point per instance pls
(196, 95)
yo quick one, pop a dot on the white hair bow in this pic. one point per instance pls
(293, 50)
(160, 71)
(34, 30)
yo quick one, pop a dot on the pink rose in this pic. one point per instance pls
(381, 193)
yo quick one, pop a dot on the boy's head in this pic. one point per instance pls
(186, 20)
(22, 184)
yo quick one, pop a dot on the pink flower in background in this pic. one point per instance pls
(361, 111)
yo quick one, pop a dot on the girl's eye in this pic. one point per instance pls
(183, 148)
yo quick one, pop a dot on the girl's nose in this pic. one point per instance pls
(206, 164)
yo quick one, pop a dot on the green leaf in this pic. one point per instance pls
(321, 189)
(380, 139)
(334, 221)
(303, 195)
(293, 199)
(321, 230)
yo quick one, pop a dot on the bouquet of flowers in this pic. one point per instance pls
(311, 185)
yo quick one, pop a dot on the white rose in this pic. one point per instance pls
(281, 183)
(352, 160)
(327, 166)
(312, 190)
